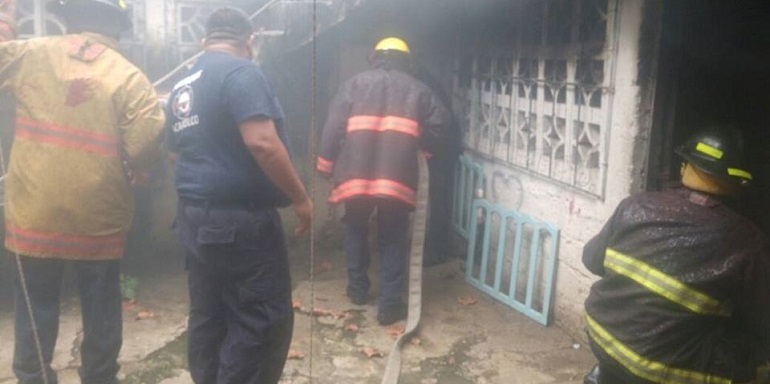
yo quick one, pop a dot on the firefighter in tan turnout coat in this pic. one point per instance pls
(87, 120)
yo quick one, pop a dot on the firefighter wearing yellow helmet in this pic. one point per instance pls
(684, 293)
(377, 124)
(392, 44)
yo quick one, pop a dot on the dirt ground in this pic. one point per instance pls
(482, 342)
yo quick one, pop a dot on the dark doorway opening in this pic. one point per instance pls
(714, 69)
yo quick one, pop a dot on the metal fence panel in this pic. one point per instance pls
(512, 257)
(468, 184)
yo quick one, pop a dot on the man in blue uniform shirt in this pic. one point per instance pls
(233, 170)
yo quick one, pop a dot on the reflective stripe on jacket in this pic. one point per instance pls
(642, 367)
(377, 124)
(684, 295)
(83, 114)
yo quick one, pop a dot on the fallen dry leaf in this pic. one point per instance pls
(296, 304)
(129, 304)
(394, 330)
(351, 328)
(295, 355)
(323, 266)
(452, 360)
(415, 341)
(466, 300)
(144, 315)
(371, 352)
(320, 312)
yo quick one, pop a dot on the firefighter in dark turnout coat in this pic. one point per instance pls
(378, 122)
(685, 290)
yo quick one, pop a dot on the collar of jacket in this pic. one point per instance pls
(88, 46)
(701, 198)
(108, 42)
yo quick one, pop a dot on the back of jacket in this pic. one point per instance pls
(685, 289)
(85, 117)
(377, 123)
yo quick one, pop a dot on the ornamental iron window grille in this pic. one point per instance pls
(544, 106)
(33, 20)
(191, 26)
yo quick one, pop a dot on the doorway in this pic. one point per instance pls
(714, 69)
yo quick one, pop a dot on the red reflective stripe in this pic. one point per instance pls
(382, 124)
(379, 187)
(23, 247)
(53, 236)
(324, 165)
(103, 144)
(106, 138)
(64, 143)
(50, 242)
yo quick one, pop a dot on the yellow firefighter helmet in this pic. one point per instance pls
(392, 44)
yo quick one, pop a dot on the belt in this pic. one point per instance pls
(225, 204)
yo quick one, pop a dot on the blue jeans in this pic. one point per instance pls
(99, 289)
(241, 318)
(392, 243)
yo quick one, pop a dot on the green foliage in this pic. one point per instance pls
(128, 286)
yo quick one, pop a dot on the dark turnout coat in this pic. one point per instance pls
(378, 122)
(684, 295)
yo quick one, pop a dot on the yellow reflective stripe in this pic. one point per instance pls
(642, 367)
(662, 284)
(739, 173)
(709, 150)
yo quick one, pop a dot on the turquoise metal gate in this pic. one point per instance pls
(512, 257)
(469, 184)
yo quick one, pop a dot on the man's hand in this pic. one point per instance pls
(304, 212)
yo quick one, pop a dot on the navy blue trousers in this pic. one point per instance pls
(392, 244)
(100, 300)
(241, 318)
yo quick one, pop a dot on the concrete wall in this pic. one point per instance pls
(580, 216)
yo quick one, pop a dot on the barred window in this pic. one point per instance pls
(544, 105)
(33, 20)
(191, 26)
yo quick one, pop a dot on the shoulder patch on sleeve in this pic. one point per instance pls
(83, 49)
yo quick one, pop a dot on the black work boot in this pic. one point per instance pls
(392, 314)
(357, 298)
